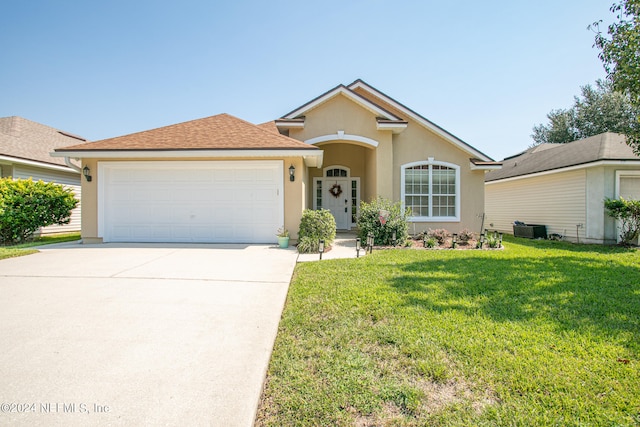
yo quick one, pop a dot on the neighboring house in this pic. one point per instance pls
(563, 186)
(221, 179)
(25, 148)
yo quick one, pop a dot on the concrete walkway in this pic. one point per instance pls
(344, 246)
(128, 335)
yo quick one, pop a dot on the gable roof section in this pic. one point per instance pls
(336, 91)
(220, 132)
(548, 157)
(24, 139)
(360, 84)
(269, 126)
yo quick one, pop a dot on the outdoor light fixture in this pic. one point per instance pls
(358, 247)
(87, 173)
(292, 173)
(454, 240)
(321, 247)
(500, 239)
(481, 240)
(393, 239)
(370, 242)
(424, 240)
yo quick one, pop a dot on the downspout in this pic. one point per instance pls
(76, 168)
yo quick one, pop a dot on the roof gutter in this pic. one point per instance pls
(10, 160)
(67, 161)
(312, 158)
(565, 169)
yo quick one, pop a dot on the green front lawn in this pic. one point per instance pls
(542, 333)
(20, 250)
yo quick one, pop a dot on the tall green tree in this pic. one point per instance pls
(620, 55)
(599, 109)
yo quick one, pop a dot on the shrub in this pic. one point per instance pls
(440, 234)
(431, 242)
(314, 226)
(628, 213)
(465, 235)
(492, 241)
(369, 221)
(25, 206)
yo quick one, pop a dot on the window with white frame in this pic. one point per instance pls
(431, 190)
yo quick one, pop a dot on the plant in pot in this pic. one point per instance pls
(283, 237)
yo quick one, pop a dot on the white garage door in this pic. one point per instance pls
(216, 201)
(630, 187)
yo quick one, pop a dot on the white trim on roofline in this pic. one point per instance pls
(141, 154)
(395, 127)
(38, 164)
(427, 124)
(475, 167)
(567, 169)
(349, 94)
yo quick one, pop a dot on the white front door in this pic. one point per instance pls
(338, 204)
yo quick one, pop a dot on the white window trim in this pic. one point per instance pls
(431, 162)
(624, 174)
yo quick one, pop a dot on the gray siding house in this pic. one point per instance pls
(25, 148)
(563, 186)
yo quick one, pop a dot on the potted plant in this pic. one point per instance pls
(283, 237)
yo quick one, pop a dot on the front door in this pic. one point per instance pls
(336, 199)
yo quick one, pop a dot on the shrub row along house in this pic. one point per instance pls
(25, 148)
(222, 179)
(563, 186)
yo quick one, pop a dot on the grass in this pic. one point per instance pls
(542, 333)
(23, 248)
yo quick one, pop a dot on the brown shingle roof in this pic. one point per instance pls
(270, 126)
(220, 132)
(546, 157)
(24, 139)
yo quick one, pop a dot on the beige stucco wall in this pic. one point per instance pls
(294, 193)
(379, 168)
(373, 165)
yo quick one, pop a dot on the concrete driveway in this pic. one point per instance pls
(139, 334)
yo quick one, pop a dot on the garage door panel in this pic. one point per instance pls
(630, 187)
(239, 201)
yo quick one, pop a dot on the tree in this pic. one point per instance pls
(25, 206)
(620, 54)
(599, 109)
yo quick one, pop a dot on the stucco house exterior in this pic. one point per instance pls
(25, 148)
(563, 186)
(222, 179)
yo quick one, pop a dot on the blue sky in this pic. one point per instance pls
(485, 71)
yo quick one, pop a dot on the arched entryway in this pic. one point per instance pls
(338, 192)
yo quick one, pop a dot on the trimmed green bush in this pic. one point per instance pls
(25, 206)
(371, 221)
(314, 226)
(628, 213)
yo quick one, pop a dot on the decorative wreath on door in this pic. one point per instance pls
(336, 190)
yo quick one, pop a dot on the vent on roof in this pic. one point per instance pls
(70, 135)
